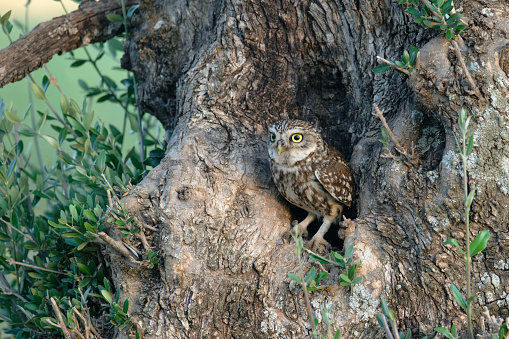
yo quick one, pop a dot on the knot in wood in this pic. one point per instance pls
(184, 193)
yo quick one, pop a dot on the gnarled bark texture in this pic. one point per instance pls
(217, 73)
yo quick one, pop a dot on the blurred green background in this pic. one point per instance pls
(25, 16)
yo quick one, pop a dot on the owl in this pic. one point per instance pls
(310, 174)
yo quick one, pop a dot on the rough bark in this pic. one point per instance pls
(217, 73)
(60, 35)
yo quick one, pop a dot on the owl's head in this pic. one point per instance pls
(291, 141)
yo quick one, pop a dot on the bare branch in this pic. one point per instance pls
(61, 323)
(86, 25)
(402, 70)
(465, 70)
(13, 262)
(408, 158)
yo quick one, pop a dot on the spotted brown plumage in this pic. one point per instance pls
(310, 174)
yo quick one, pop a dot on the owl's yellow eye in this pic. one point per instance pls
(272, 137)
(297, 137)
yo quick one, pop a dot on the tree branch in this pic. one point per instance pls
(86, 25)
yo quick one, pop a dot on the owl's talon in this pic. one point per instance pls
(288, 235)
(318, 245)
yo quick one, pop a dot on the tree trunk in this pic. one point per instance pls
(217, 73)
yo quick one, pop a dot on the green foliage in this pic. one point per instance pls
(54, 216)
(118, 314)
(448, 334)
(311, 281)
(437, 14)
(408, 62)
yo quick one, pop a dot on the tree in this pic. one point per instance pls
(217, 73)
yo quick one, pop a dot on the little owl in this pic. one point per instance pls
(310, 174)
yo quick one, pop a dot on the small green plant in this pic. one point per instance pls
(311, 282)
(152, 258)
(118, 313)
(406, 65)
(437, 14)
(392, 332)
(448, 334)
(480, 242)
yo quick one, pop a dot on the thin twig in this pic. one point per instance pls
(13, 262)
(402, 70)
(6, 289)
(386, 327)
(53, 80)
(15, 229)
(465, 70)
(61, 323)
(119, 246)
(409, 159)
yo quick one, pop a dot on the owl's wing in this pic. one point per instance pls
(336, 178)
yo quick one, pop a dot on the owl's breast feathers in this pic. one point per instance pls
(335, 176)
(316, 184)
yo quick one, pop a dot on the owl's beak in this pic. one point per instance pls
(281, 148)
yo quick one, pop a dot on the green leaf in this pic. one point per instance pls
(38, 92)
(294, 278)
(502, 333)
(12, 117)
(114, 17)
(78, 63)
(430, 23)
(344, 277)
(458, 297)
(379, 319)
(392, 315)
(27, 132)
(470, 198)
(445, 332)
(381, 68)
(470, 144)
(479, 243)
(311, 275)
(408, 334)
(454, 17)
(385, 308)
(83, 268)
(64, 104)
(414, 12)
(455, 243)
(5, 19)
(85, 282)
(107, 296)
(11, 168)
(357, 280)
(320, 277)
(52, 141)
(4, 237)
(447, 7)
(448, 34)
(414, 51)
(338, 333)
(405, 57)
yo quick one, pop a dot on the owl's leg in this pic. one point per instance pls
(317, 241)
(303, 227)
